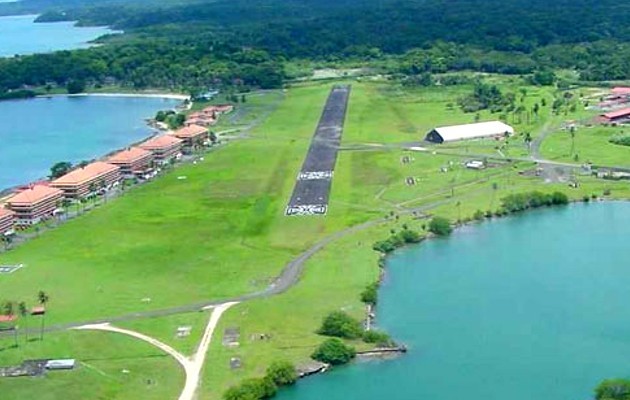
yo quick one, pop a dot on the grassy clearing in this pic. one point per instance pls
(102, 358)
(165, 329)
(591, 144)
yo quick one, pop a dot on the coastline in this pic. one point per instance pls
(154, 130)
(172, 96)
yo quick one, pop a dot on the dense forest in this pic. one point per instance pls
(196, 44)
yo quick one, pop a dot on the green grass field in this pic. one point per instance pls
(591, 144)
(109, 366)
(217, 229)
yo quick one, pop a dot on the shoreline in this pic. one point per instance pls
(172, 96)
(154, 130)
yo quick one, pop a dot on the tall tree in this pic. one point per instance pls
(42, 298)
(23, 310)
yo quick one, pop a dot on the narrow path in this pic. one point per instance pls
(197, 360)
(192, 366)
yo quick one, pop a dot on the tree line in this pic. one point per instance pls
(204, 44)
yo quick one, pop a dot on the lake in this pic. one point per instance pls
(528, 307)
(20, 35)
(36, 133)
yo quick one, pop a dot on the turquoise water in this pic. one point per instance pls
(529, 307)
(19, 35)
(36, 133)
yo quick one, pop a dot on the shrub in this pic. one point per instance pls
(239, 393)
(440, 226)
(381, 339)
(613, 389)
(383, 246)
(409, 236)
(252, 389)
(479, 215)
(340, 324)
(334, 352)
(282, 373)
(622, 139)
(523, 201)
(397, 240)
(370, 294)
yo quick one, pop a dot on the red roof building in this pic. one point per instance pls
(621, 91)
(192, 134)
(7, 318)
(82, 181)
(32, 205)
(617, 116)
(132, 160)
(164, 147)
(7, 220)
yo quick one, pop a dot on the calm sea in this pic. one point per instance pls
(529, 307)
(20, 35)
(36, 133)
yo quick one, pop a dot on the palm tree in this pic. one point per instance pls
(24, 314)
(9, 310)
(42, 298)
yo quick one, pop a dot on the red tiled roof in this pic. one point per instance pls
(5, 213)
(86, 173)
(620, 90)
(190, 131)
(7, 318)
(129, 155)
(618, 114)
(160, 142)
(34, 195)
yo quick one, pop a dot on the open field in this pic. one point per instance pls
(109, 367)
(590, 144)
(216, 229)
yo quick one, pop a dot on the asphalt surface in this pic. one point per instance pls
(312, 188)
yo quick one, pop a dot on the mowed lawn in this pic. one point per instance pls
(205, 231)
(108, 366)
(591, 144)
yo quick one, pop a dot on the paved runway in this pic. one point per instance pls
(312, 189)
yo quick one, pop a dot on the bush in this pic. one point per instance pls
(340, 324)
(409, 236)
(622, 139)
(282, 373)
(381, 339)
(523, 201)
(75, 86)
(383, 246)
(397, 240)
(252, 389)
(440, 226)
(370, 294)
(613, 389)
(479, 215)
(334, 352)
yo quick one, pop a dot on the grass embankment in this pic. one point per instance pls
(221, 231)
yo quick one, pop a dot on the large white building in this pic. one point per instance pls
(469, 131)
